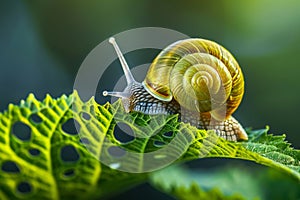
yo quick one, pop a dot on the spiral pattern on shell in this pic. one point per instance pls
(200, 75)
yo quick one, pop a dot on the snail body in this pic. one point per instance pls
(195, 78)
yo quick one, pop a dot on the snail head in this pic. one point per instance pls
(127, 94)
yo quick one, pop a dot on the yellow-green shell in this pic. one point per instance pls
(199, 74)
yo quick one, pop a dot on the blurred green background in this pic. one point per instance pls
(43, 44)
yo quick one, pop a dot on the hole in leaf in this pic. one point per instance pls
(123, 133)
(69, 173)
(84, 141)
(10, 167)
(114, 165)
(70, 126)
(158, 143)
(69, 154)
(35, 118)
(168, 134)
(116, 151)
(24, 187)
(21, 131)
(85, 115)
(34, 152)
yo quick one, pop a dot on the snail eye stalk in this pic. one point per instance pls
(129, 77)
(116, 94)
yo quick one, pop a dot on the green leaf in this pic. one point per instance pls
(225, 182)
(262, 148)
(188, 184)
(43, 156)
(274, 148)
(52, 161)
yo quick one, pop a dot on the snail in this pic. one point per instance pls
(196, 78)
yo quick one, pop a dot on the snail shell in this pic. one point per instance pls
(196, 78)
(196, 73)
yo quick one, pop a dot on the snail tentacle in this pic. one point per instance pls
(126, 70)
